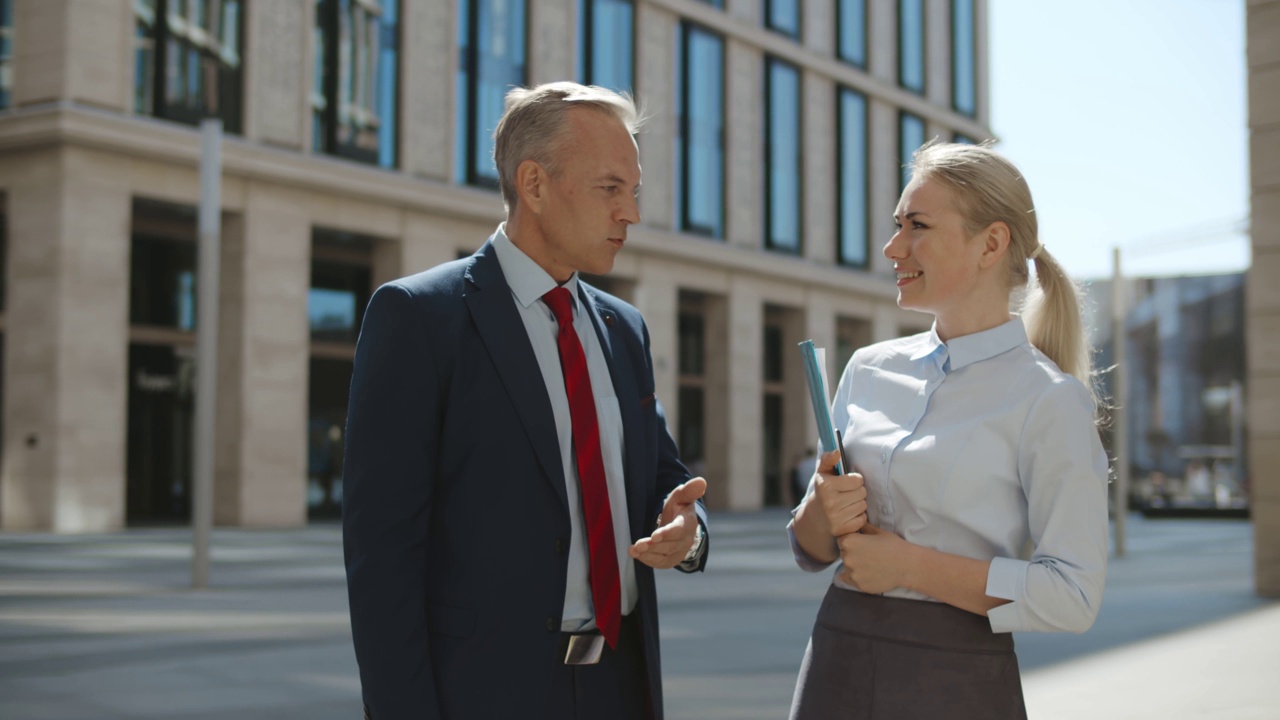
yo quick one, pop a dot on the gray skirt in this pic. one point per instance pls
(872, 657)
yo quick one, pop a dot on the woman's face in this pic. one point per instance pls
(941, 268)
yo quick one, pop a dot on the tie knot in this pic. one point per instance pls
(561, 303)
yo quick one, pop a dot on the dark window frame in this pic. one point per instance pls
(230, 92)
(841, 259)
(469, 65)
(328, 20)
(587, 48)
(924, 50)
(799, 19)
(862, 41)
(904, 157)
(973, 60)
(687, 28)
(770, 241)
(6, 49)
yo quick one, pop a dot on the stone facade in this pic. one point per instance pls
(75, 161)
(1262, 300)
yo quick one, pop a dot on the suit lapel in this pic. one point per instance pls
(488, 298)
(622, 372)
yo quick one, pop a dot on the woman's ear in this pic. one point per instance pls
(995, 244)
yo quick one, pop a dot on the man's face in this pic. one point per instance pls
(592, 197)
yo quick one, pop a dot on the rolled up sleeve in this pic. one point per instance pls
(1063, 470)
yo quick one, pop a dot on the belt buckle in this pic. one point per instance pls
(584, 649)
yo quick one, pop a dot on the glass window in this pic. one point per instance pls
(187, 61)
(964, 95)
(491, 38)
(783, 16)
(910, 138)
(700, 150)
(851, 31)
(357, 65)
(772, 364)
(714, 3)
(962, 138)
(162, 282)
(782, 156)
(6, 51)
(606, 30)
(692, 347)
(911, 44)
(336, 300)
(852, 187)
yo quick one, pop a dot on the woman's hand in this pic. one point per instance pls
(837, 505)
(841, 499)
(875, 560)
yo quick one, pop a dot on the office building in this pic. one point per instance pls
(358, 149)
(1262, 305)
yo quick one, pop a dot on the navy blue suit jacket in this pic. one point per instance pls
(455, 517)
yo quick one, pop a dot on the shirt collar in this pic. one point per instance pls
(987, 344)
(528, 281)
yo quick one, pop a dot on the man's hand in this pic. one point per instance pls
(677, 524)
(875, 560)
(842, 499)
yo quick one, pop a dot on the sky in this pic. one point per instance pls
(1128, 119)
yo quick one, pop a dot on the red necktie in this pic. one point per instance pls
(606, 588)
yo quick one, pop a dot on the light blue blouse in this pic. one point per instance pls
(982, 447)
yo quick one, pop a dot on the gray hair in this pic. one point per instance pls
(988, 188)
(533, 123)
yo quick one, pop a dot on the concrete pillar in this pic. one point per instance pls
(551, 58)
(820, 326)
(428, 72)
(751, 11)
(657, 36)
(882, 48)
(79, 50)
(884, 323)
(264, 348)
(982, 61)
(715, 403)
(820, 209)
(658, 299)
(817, 21)
(1262, 299)
(66, 344)
(885, 179)
(745, 390)
(278, 72)
(744, 130)
(937, 54)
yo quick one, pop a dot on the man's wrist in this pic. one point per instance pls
(696, 548)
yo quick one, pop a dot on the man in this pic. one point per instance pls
(510, 483)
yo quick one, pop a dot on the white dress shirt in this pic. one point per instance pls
(982, 447)
(529, 282)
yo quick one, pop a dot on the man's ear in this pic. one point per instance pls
(995, 243)
(531, 185)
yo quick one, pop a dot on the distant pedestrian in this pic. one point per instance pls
(977, 504)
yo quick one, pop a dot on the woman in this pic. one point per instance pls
(977, 501)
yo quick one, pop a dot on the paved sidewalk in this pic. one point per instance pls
(104, 627)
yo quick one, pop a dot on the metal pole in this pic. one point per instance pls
(206, 347)
(1119, 412)
(1237, 434)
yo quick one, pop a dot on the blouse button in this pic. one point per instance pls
(884, 457)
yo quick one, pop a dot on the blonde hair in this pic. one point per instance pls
(988, 188)
(533, 123)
